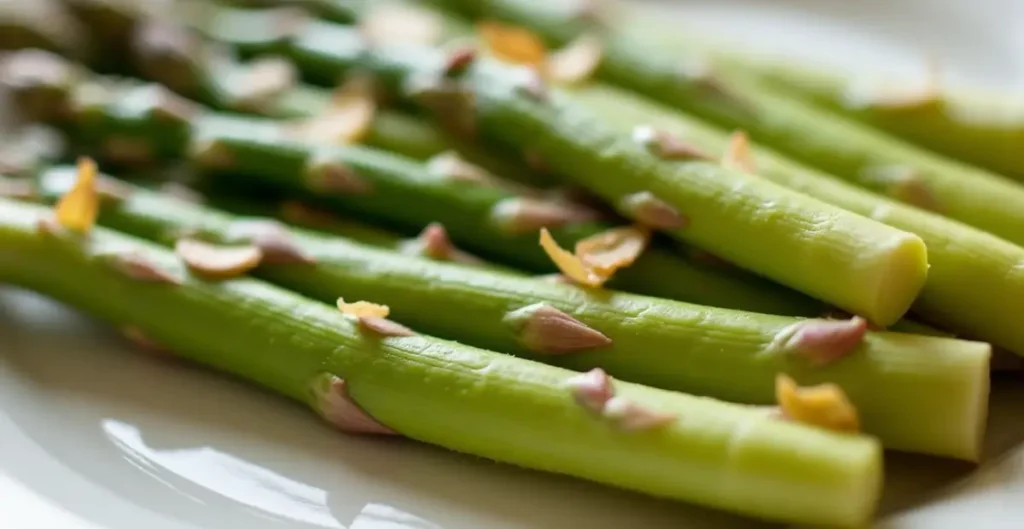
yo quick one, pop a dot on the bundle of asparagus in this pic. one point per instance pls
(473, 151)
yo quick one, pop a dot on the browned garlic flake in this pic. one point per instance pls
(613, 249)
(577, 62)
(373, 317)
(569, 264)
(347, 120)
(78, 208)
(217, 260)
(825, 405)
(513, 44)
(738, 155)
(361, 309)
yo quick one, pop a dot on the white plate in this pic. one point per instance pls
(94, 435)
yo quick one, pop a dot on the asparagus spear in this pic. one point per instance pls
(432, 243)
(822, 266)
(157, 122)
(934, 387)
(986, 130)
(972, 288)
(785, 241)
(518, 412)
(322, 48)
(730, 98)
(405, 134)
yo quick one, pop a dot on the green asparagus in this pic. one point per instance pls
(986, 130)
(856, 152)
(432, 243)
(781, 234)
(802, 243)
(973, 284)
(154, 121)
(916, 393)
(517, 412)
(409, 136)
(810, 259)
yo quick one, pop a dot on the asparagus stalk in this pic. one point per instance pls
(730, 98)
(693, 200)
(518, 412)
(934, 388)
(322, 48)
(972, 287)
(792, 248)
(985, 130)
(491, 221)
(156, 122)
(432, 243)
(410, 136)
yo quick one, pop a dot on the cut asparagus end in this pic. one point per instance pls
(903, 263)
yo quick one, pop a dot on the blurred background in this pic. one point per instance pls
(976, 42)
